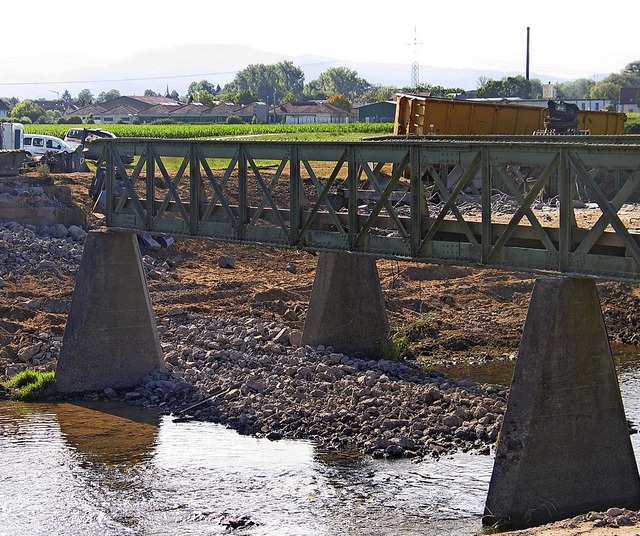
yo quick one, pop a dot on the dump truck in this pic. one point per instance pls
(423, 116)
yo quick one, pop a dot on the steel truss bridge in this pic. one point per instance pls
(431, 200)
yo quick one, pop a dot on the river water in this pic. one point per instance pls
(109, 469)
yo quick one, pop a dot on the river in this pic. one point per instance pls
(109, 469)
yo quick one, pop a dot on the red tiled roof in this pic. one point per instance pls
(307, 108)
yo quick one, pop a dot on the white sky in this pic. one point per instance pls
(569, 39)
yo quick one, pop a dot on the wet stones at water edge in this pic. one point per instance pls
(233, 372)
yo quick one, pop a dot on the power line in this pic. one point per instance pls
(141, 79)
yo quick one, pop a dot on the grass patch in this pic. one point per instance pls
(403, 340)
(31, 385)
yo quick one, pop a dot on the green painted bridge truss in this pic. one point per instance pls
(518, 203)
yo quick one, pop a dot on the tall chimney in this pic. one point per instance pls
(527, 53)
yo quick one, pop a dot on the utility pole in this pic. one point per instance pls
(527, 67)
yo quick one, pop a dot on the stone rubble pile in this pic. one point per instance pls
(26, 249)
(247, 375)
(256, 385)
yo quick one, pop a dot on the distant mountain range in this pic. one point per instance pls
(177, 67)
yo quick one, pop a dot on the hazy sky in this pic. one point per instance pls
(568, 39)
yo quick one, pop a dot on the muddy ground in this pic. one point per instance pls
(448, 314)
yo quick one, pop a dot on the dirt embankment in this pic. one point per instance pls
(446, 314)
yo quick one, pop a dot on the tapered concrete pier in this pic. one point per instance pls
(346, 309)
(111, 338)
(564, 448)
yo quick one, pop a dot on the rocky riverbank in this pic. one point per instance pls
(252, 374)
(247, 375)
(248, 371)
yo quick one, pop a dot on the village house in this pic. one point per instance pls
(375, 112)
(121, 109)
(308, 112)
(131, 109)
(629, 99)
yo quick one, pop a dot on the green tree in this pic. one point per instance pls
(575, 89)
(511, 86)
(340, 80)
(244, 97)
(340, 101)
(28, 109)
(51, 117)
(204, 97)
(106, 96)
(378, 93)
(609, 87)
(289, 78)
(267, 83)
(606, 90)
(203, 85)
(289, 97)
(84, 98)
(150, 93)
(633, 68)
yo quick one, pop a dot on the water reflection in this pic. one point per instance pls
(500, 371)
(71, 469)
(109, 433)
(109, 469)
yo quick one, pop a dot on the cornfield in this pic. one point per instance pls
(214, 130)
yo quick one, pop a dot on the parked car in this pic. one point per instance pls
(84, 136)
(77, 136)
(39, 144)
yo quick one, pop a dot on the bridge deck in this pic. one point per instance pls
(425, 200)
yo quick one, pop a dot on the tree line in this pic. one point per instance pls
(285, 82)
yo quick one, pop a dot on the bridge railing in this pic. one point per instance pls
(426, 200)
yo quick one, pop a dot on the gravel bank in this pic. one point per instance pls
(247, 375)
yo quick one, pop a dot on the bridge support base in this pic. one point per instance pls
(564, 448)
(110, 339)
(346, 309)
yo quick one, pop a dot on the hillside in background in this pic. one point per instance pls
(177, 67)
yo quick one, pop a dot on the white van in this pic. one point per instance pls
(38, 144)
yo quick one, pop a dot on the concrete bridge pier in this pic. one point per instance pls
(346, 309)
(564, 448)
(111, 338)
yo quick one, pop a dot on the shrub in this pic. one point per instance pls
(404, 338)
(632, 128)
(234, 120)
